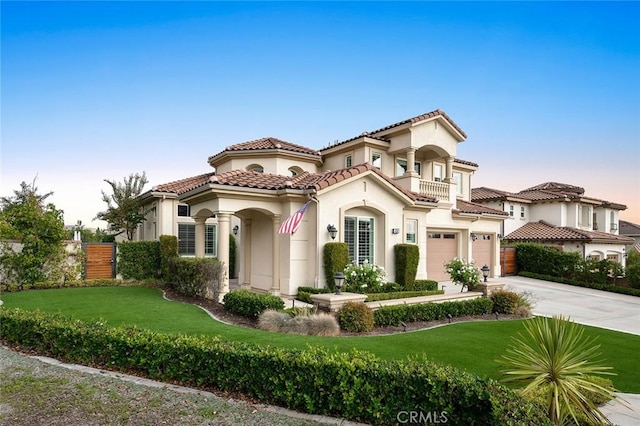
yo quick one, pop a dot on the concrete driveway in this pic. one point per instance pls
(613, 311)
(602, 309)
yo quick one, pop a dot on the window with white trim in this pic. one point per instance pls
(511, 211)
(187, 239)
(457, 178)
(376, 159)
(521, 212)
(417, 166)
(184, 210)
(347, 160)
(359, 237)
(437, 172)
(585, 214)
(410, 231)
(401, 166)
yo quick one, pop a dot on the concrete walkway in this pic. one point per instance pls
(597, 308)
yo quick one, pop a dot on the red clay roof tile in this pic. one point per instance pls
(463, 206)
(543, 231)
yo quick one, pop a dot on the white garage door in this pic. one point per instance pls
(482, 250)
(441, 248)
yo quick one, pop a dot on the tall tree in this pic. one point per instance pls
(124, 212)
(38, 227)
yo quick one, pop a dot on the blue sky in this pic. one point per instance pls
(546, 91)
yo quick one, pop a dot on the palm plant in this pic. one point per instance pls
(555, 359)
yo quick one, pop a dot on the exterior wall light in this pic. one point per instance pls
(235, 230)
(332, 231)
(338, 279)
(485, 272)
(474, 236)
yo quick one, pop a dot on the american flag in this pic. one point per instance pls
(292, 223)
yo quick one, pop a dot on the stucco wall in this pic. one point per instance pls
(554, 213)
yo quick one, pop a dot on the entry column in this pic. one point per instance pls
(224, 220)
(275, 284)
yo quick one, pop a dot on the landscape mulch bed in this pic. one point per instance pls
(218, 311)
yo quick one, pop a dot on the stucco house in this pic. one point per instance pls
(402, 183)
(560, 215)
(631, 230)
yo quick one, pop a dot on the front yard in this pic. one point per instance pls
(470, 346)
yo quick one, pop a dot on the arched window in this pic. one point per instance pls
(255, 168)
(295, 170)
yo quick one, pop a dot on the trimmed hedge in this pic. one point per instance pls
(335, 257)
(304, 293)
(251, 305)
(194, 277)
(168, 252)
(604, 287)
(407, 258)
(139, 260)
(428, 285)
(395, 315)
(60, 284)
(354, 385)
(356, 317)
(374, 297)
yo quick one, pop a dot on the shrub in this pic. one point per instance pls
(251, 305)
(304, 293)
(232, 256)
(428, 285)
(139, 260)
(168, 251)
(41, 285)
(308, 323)
(407, 258)
(195, 277)
(355, 317)
(364, 278)
(395, 315)
(464, 273)
(335, 258)
(603, 287)
(374, 297)
(632, 271)
(353, 385)
(505, 302)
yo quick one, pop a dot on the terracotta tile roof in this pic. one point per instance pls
(557, 186)
(183, 185)
(544, 195)
(426, 116)
(628, 228)
(303, 181)
(488, 194)
(468, 163)
(268, 144)
(463, 206)
(543, 231)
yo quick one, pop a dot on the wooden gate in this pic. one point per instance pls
(508, 261)
(100, 260)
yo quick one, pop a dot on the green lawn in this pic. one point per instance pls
(470, 346)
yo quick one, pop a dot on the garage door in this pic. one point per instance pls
(441, 248)
(482, 250)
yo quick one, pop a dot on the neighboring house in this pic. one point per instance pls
(559, 215)
(398, 184)
(631, 230)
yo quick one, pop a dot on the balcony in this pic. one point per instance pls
(439, 190)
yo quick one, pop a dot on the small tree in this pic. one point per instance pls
(40, 230)
(124, 212)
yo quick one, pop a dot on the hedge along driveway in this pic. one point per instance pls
(469, 346)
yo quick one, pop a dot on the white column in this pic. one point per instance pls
(411, 159)
(224, 220)
(275, 284)
(200, 227)
(246, 243)
(449, 170)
